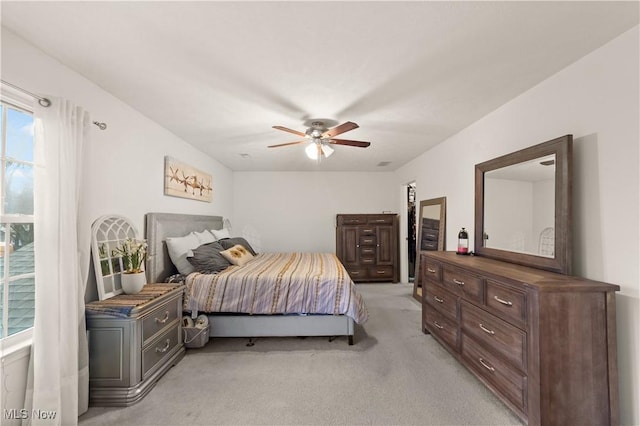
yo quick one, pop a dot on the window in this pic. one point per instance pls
(17, 272)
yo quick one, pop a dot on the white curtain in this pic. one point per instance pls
(58, 371)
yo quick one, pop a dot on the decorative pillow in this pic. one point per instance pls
(205, 237)
(238, 255)
(227, 243)
(179, 249)
(207, 259)
(220, 233)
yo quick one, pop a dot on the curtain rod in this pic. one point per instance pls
(44, 101)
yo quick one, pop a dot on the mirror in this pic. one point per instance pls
(107, 234)
(431, 234)
(523, 206)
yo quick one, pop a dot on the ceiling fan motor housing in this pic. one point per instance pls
(316, 130)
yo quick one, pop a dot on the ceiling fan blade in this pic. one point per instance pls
(359, 144)
(285, 144)
(344, 127)
(286, 129)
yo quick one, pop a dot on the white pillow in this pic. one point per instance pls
(238, 255)
(205, 237)
(180, 248)
(220, 233)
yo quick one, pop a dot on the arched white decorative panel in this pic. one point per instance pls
(107, 233)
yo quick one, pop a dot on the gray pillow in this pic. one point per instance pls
(207, 259)
(227, 243)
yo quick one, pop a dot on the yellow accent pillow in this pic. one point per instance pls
(237, 255)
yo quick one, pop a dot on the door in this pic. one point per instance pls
(349, 246)
(386, 245)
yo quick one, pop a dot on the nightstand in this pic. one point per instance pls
(133, 341)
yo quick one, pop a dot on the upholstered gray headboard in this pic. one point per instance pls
(159, 226)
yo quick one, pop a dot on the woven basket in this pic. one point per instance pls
(195, 337)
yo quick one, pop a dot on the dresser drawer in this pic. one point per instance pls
(367, 230)
(442, 327)
(508, 381)
(367, 240)
(367, 251)
(441, 300)
(463, 283)
(163, 346)
(356, 273)
(510, 303)
(429, 245)
(432, 271)
(352, 220)
(158, 319)
(380, 272)
(380, 219)
(367, 260)
(495, 333)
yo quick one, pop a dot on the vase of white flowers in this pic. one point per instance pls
(133, 253)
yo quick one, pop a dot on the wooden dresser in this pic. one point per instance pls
(543, 342)
(367, 245)
(133, 341)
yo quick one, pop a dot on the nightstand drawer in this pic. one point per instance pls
(163, 346)
(158, 319)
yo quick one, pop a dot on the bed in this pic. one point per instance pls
(286, 313)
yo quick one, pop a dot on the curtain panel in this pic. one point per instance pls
(58, 372)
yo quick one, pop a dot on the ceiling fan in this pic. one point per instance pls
(319, 138)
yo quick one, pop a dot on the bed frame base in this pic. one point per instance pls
(279, 326)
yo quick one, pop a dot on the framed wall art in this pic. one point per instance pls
(182, 180)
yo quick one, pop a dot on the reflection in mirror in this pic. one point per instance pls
(431, 234)
(523, 206)
(519, 207)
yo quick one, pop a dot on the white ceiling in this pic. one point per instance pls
(411, 74)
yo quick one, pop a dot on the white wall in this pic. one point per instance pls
(125, 164)
(596, 100)
(296, 211)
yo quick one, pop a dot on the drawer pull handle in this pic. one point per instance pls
(486, 330)
(163, 320)
(167, 343)
(438, 325)
(504, 302)
(431, 271)
(381, 272)
(437, 299)
(486, 365)
(458, 282)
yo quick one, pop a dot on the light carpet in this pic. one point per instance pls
(393, 375)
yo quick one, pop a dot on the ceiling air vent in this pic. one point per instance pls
(384, 163)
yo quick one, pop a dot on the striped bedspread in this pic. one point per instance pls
(278, 283)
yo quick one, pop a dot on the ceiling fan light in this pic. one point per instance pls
(327, 150)
(312, 151)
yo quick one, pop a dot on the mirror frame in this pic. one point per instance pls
(442, 202)
(562, 147)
